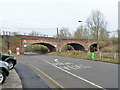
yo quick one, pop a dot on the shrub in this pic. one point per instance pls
(67, 48)
(37, 48)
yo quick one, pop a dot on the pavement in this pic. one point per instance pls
(29, 78)
(12, 81)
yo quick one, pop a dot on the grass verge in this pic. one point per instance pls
(85, 57)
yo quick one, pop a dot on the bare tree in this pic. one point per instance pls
(14, 41)
(64, 33)
(15, 33)
(34, 33)
(81, 33)
(97, 26)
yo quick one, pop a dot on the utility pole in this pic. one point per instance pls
(57, 40)
(88, 43)
(7, 39)
(98, 28)
(98, 39)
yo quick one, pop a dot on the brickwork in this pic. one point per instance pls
(54, 41)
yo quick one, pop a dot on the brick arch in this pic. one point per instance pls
(76, 46)
(48, 45)
(55, 42)
(93, 47)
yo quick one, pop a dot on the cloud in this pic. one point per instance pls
(60, 1)
(38, 0)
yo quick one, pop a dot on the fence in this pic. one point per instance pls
(101, 55)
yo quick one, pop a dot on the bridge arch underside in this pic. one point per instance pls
(77, 47)
(49, 46)
(93, 48)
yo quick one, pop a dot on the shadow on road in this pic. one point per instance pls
(29, 78)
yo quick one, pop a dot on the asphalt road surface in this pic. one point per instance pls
(66, 72)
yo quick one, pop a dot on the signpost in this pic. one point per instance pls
(25, 44)
(18, 51)
(24, 41)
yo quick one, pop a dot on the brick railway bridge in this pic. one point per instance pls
(54, 44)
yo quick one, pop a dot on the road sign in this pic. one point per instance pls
(24, 41)
(18, 50)
(25, 45)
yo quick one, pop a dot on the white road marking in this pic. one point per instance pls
(75, 75)
(66, 68)
(69, 65)
(56, 60)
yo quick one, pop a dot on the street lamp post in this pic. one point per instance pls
(88, 40)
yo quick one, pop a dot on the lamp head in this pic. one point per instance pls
(79, 21)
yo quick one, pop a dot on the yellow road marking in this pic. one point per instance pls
(47, 76)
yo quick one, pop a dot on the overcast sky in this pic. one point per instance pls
(52, 14)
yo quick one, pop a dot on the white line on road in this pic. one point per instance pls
(75, 75)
